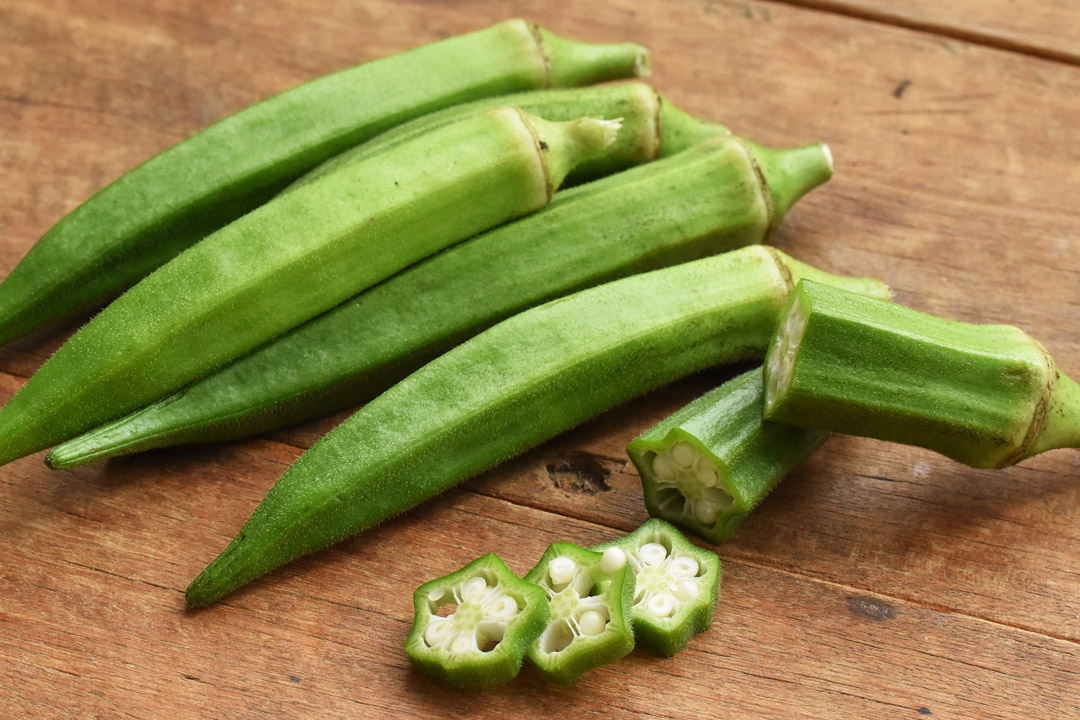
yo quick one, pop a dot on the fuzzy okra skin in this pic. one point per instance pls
(292, 259)
(474, 626)
(175, 199)
(708, 199)
(988, 396)
(709, 464)
(591, 620)
(676, 584)
(517, 384)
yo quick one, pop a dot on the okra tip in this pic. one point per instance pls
(790, 173)
(1061, 422)
(573, 63)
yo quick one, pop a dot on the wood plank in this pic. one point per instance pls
(92, 588)
(1043, 28)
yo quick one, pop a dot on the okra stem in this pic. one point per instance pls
(510, 388)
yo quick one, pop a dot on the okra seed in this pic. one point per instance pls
(663, 467)
(503, 608)
(612, 560)
(683, 454)
(706, 474)
(436, 632)
(473, 589)
(686, 590)
(652, 553)
(591, 623)
(561, 570)
(705, 510)
(684, 566)
(463, 643)
(660, 605)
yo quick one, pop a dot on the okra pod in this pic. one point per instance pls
(473, 627)
(708, 465)
(676, 584)
(988, 396)
(180, 196)
(705, 200)
(292, 259)
(590, 623)
(515, 385)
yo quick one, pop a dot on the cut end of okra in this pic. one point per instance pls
(690, 482)
(780, 358)
(473, 627)
(590, 595)
(677, 585)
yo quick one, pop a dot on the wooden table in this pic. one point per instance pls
(877, 582)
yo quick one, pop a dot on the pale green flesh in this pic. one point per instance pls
(862, 367)
(517, 384)
(704, 201)
(709, 464)
(196, 187)
(286, 262)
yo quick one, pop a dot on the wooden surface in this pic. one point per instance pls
(877, 582)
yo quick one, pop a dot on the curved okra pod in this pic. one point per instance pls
(517, 384)
(984, 395)
(198, 186)
(709, 464)
(707, 199)
(292, 259)
(590, 622)
(677, 584)
(473, 627)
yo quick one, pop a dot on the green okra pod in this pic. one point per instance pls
(590, 623)
(676, 584)
(707, 199)
(474, 626)
(708, 465)
(984, 395)
(292, 259)
(515, 385)
(175, 199)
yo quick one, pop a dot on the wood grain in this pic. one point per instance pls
(878, 581)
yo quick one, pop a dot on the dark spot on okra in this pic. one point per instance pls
(543, 145)
(580, 473)
(870, 608)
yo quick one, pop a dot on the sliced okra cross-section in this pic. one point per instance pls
(677, 584)
(473, 626)
(590, 622)
(709, 464)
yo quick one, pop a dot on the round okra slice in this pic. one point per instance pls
(677, 584)
(590, 622)
(473, 626)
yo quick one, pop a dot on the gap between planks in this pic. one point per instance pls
(975, 37)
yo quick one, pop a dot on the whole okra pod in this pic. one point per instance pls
(185, 193)
(716, 196)
(508, 389)
(292, 259)
(985, 395)
(708, 465)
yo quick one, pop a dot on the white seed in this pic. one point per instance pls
(436, 632)
(683, 454)
(435, 596)
(652, 553)
(683, 566)
(663, 467)
(612, 560)
(705, 511)
(686, 590)
(463, 643)
(473, 589)
(706, 474)
(660, 605)
(503, 608)
(591, 623)
(561, 571)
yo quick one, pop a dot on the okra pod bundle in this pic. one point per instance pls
(175, 199)
(988, 396)
(292, 259)
(515, 385)
(708, 465)
(716, 196)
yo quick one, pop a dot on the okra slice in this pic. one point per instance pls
(677, 584)
(473, 626)
(985, 395)
(590, 622)
(709, 464)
